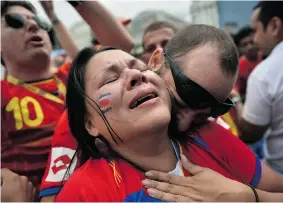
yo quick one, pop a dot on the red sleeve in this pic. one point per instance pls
(63, 150)
(245, 166)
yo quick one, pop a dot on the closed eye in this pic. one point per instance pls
(110, 80)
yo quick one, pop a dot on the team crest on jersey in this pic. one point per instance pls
(60, 161)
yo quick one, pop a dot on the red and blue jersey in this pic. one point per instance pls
(63, 149)
(117, 180)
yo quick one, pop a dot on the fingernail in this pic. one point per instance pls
(146, 182)
(152, 192)
(148, 174)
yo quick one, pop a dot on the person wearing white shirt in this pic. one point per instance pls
(263, 109)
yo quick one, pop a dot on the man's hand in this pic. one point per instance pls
(204, 185)
(48, 8)
(15, 188)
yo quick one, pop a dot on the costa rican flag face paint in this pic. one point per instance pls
(104, 102)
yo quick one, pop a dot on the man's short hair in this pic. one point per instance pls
(268, 10)
(194, 36)
(158, 25)
(242, 33)
(5, 5)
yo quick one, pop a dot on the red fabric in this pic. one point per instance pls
(63, 140)
(245, 69)
(25, 148)
(95, 181)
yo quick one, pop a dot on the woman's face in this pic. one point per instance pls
(133, 99)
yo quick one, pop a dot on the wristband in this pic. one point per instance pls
(75, 3)
(255, 193)
(236, 99)
(55, 21)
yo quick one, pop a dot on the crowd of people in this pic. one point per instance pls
(199, 108)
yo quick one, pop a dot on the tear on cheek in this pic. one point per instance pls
(104, 103)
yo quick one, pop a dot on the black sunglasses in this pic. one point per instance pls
(16, 20)
(194, 95)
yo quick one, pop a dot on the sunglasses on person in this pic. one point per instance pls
(194, 95)
(16, 21)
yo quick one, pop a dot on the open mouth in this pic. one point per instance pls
(142, 100)
(36, 39)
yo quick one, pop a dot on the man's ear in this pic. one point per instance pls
(90, 127)
(276, 26)
(156, 61)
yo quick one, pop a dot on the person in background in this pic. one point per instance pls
(250, 57)
(32, 95)
(263, 108)
(156, 35)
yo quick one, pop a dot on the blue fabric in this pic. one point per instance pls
(176, 149)
(255, 181)
(201, 142)
(49, 191)
(140, 196)
(258, 148)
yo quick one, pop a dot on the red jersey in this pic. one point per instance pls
(64, 146)
(30, 112)
(245, 69)
(117, 180)
(63, 150)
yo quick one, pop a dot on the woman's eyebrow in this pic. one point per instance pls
(114, 67)
(108, 69)
(131, 63)
(111, 68)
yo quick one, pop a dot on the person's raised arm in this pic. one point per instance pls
(62, 33)
(107, 29)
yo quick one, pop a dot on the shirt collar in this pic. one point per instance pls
(278, 48)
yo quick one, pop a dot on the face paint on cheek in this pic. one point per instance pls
(104, 102)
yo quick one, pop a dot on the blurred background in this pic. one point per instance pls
(228, 15)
